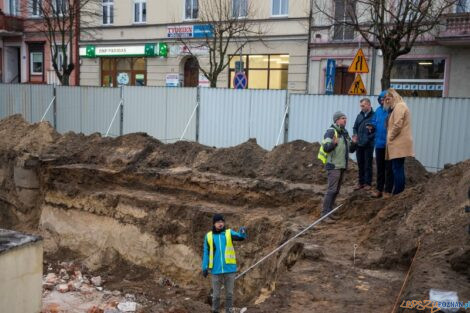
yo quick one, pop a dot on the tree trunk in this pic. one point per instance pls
(213, 80)
(65, 79)
(387, 71)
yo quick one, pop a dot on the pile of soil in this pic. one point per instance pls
(243, 160)
(18, 135)
(295, 161)
(432, 216)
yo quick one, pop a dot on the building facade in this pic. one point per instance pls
(25, 55)
(125, 47)
(437, 66)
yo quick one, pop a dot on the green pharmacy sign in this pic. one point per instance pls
(148, 50)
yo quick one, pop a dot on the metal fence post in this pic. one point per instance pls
(198, 104)
(286, 122)
(121, 118)
(54, 106)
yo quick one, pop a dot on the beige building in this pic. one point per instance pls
(437, 66)
(122, 48)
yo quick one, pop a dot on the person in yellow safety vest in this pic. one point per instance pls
(219, 258)
(334, 153)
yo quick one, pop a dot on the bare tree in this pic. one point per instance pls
(230, 27)
(59, 21)
(390, 25)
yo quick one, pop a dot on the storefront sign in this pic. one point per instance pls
(421, 87)
(149, 50)
(190, 31)
(178, 50)
(172, 80)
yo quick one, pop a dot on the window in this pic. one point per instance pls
(463, 6)
(239, 8)
(422, 78)
(108, 12)
(262, 71)
(123, 71)
(60, 7)
(140, 11)
(36, 63)
(280, 7)
(13, 7)
(191, 9)
(343, 9)
(60, 57)
(35, 8)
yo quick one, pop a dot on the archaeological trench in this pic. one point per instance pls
(135, 210)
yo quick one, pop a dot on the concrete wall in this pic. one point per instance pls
(21, 279)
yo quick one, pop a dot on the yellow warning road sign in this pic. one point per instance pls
(357, 87)
(359, 64)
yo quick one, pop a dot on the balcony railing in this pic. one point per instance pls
(11, 23)
(457, 24)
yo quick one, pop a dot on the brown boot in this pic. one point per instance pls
(358, 187)
(376, 194)
(386, 195)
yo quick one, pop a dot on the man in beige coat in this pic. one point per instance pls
(399, 137)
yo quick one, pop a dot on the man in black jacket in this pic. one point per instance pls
(364, 134)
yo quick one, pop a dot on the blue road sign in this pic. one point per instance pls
(203, 31)
(240, 81)
(330, 76)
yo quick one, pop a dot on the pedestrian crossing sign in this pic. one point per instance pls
(357, 87)
(359, 64)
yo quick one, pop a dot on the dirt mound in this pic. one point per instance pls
(415, 172)
(181, 153)
(433, 215)
(19, 135)
(295, 161)
(243, 160)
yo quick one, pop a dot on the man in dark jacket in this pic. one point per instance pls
(365, 143)
(334, 153)
(384, 167)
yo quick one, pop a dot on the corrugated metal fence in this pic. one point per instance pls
(229, 117)
(226, 117)
(161, 112)
(439, 132)
(29, 100)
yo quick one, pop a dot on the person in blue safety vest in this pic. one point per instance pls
(219, 258)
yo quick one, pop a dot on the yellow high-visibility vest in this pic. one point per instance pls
(230, 257)
(322, 155)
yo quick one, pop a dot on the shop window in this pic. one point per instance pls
(108, 12)
(140, 11)
(262, 71)
(191, 9)
(419, 78)
(239, 8)
(36, 63)
(343, 11)
(36, 8)
(280, 7)
(123, 71)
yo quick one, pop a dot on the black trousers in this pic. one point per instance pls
(384, 171)
(365, 155)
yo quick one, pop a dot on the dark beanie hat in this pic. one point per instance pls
(217, 217)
